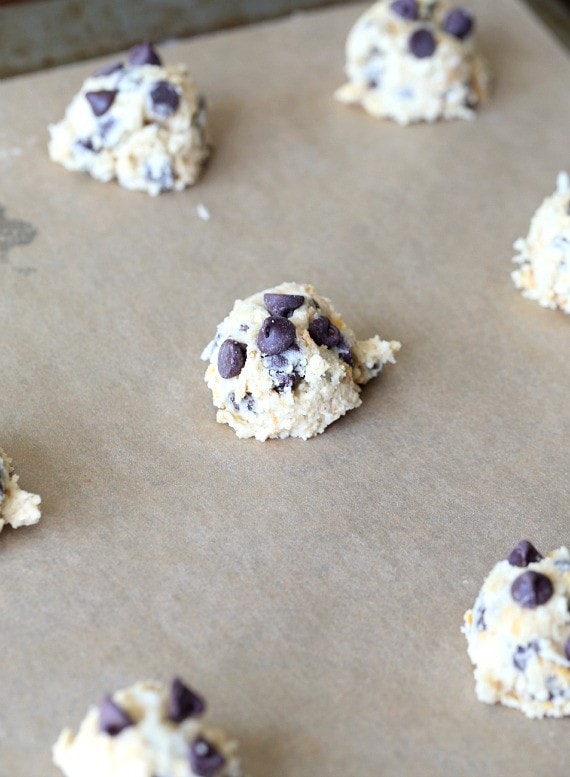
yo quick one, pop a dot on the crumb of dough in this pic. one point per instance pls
(414, 60)
(17, 507)
(518, 633)
(284, 364)
(140, 122)
(147, 730)
(543, 256)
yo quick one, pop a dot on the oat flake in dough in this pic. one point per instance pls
(413, 61)
(147, 730)
(518, 633)
(304, 374)
(544, 255)
(140, 122)
(17, 507)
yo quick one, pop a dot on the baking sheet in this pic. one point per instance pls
(312, 591)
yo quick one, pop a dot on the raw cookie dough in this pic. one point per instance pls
(414, 60)
(142, 123)
(544, 256)
(17, 507)
(284, 364)
(518, 633)
(147, 730)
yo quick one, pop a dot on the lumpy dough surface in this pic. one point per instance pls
(544, 255)
(147, 730)
(284, 364)
(140, 122)
(518, 633)
(17, 507)
(414, 60)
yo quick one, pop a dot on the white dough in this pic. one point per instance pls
(17, 507)
(389, 81)
(521, 653)
(297, 392)
(544, 255)
(141, 140)
(154, 746)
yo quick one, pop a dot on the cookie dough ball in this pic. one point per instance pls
(284, 364)
(544, 256)
(140, 122)
(147, 730)
(17, 507)
(518, 633)
(414, 60)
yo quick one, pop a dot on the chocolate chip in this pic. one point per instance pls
(161, 173)
(165, 99)
(523, 653)
(422, 43)
(480, 624)
(144, 54)
(205, 759)
(275, 336)
(284, 368)
(531, 589)
(523, 554)
(231, 358)
(323, 332)
(458, 23)
(183, 703)
(112, 719)
(101, 101)
(344, 352)
(407, 9)
(87, 144)
(567, 649)
(109, 69)
(282, 304)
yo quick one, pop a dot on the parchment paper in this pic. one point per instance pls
(313, 592)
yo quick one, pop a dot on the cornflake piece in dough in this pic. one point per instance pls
(518, 633)
(17, 507)
(544, 256)
(142, 123)
(284, 364)
(414, 60)
(148, 731)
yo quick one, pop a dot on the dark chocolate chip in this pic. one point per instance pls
(275, 336)
(344, 352)
(524, 554)
(282, 304)
(458, 23)
(231, 358)
(108, 70)
(183, 703)
(163, 175)
(283, 368)
(106, 126)
(480, 624)
(144, 54)
(243, 328)
(112, 719)
(165, 99)
(323, 332)
(407, 9)
(86, 143)
(567, 649)
(531, 589)
(422, 43)
(523, 653)
(101, 101)
(205, 759)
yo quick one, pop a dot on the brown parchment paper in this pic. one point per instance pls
(312, 591)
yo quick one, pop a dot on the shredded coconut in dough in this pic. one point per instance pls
(147, 731)
(414, 60)
(284, 364)
(17, 507)
(142, 123)
(544, 255)
(518, 633)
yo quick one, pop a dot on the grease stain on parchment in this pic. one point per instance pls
(14, 232)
